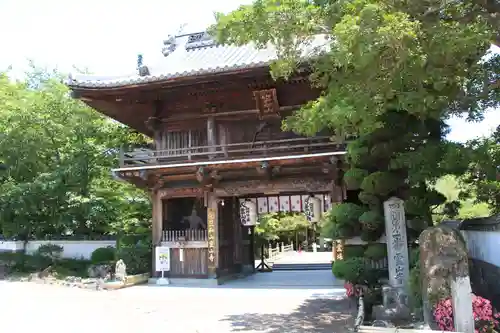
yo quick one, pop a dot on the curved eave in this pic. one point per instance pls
(148, 80)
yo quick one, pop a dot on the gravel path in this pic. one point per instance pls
(253, 305)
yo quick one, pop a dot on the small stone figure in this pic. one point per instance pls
(120, 271)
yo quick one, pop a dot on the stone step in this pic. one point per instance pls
(302, 267)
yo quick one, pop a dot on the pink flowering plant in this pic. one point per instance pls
(352, 290)
(486, 318)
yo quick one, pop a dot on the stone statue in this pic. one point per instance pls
(120, 271)
(195, 222)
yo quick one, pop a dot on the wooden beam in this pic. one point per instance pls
(256, 112)
(302, 185)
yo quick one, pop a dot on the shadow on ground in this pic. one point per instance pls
(334, 315)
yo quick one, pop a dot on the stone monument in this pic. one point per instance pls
(445, 273)
(120, 271)
(395, 295)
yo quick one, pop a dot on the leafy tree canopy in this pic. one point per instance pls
(379, 56)
(275, 225)
(58, 154)
(483, 176)
(391, 73)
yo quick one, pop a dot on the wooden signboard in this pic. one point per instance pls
(212, 242)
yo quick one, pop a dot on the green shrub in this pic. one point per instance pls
(71, 267)
(52, 251)
(353, 270)
(343, 220)
(370, 200)
(103, 255)
(23, 263)
(133, 240)
(353, 251)
(354, 177)
(381, 183)
(346, 213)
(376, 251)
(414, 255)
(371, 235)
(371, 220)
(415, 288)
(137, 258)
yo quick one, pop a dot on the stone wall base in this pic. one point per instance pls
(208, 282)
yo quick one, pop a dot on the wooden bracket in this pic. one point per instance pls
(202, 176)
(264, 169)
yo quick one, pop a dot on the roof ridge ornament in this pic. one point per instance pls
(170, 44)
(143, 70)
(199, 40)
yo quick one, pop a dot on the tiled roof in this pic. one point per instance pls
(186, 62)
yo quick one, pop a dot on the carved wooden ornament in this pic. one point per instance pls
(267, 102)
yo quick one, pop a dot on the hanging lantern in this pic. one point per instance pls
(313, 209)
(248, 213)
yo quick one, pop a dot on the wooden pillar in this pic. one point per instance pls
(211, 138)
(237, 232)
(213, 235)
(157, 227)
(223, 139)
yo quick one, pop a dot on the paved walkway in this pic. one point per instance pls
(305, 258)
(278, 302)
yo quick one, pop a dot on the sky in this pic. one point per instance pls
(105, 37)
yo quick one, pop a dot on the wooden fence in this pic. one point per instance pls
(186, 235)
(274, 253)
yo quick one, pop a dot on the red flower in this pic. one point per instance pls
(485, 317)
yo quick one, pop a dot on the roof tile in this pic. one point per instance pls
(184, 62)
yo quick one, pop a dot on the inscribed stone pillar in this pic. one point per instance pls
(397, 244)
(395, 295)
(213, 235)
(157, 221)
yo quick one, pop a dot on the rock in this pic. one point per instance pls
(382, 323)
(394, 315)
(46, 272)
(99, 271)
(443, 256)
(120, 271)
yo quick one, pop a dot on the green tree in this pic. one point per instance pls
(391, 74)
(58, 154)
(482, 180)
(276, 226)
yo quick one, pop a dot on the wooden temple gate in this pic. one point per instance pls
(216, 140)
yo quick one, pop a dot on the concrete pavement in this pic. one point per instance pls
(267, 302)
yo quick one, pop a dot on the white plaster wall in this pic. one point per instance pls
(10, 246)
(483, 245)
(71, 249)
(357, 241)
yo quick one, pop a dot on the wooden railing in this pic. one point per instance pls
(184, 235)
(295, 146)
(275, 252)
(377, 264)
